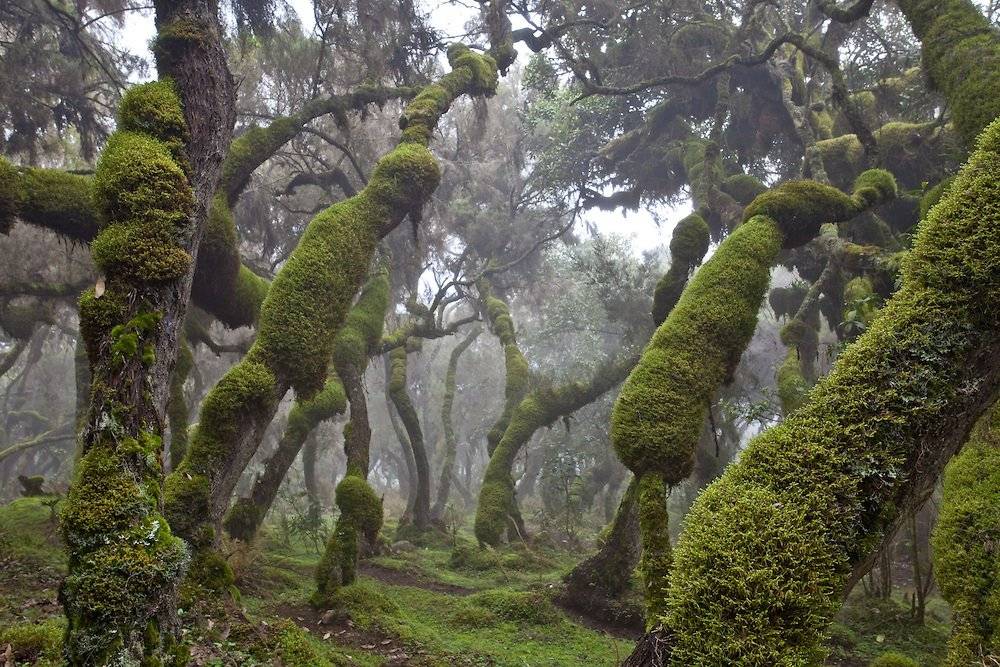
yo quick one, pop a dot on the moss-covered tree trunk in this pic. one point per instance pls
(420, 520)
(360, 508)
(448, 426)
(496, 512)
(596, 583)
(247, 514)
(152, 189)
(304, 309)
(965, 542)
(812, 500)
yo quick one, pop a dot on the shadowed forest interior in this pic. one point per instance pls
(500, 332)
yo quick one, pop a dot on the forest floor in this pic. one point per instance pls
(435, 605)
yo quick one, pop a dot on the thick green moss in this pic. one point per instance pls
(966, 564)
(933, 196)
(760, 568)
(124, 562)
(893, 659)
(145, 203)
(800, 208)
(961, 55)
(661, 407)
(656, 559)
(516, 373)
(689, 243)
(792, 385)
(34, 643)
(521, 607)
(743, 188)
(360, 516)
(154, 109)
(112, 581)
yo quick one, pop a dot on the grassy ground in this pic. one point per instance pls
(449, 603)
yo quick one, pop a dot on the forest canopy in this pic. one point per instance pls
(340, 332)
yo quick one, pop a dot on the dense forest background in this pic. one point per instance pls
(391, 332)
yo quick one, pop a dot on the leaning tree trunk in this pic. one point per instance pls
(352, 347)
(595, 585)
(450, 443)
(420, 520)
(153, 184)
(303, 310)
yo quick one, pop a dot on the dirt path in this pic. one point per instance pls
(389, 575)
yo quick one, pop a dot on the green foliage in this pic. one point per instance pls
(35, 643)
(966, 564)
(759, 569)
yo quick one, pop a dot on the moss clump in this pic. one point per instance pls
(521, 607)
(360, 516)
(966, 566)
(801, 208)
(760, 568)
(893, 659)
(743, 188)
(792, 385)
(35, 643)
(145, 203)
(689, 243)
(362, 603)
(294, 649)
(469, 557)
(154, 109)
